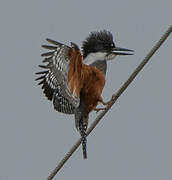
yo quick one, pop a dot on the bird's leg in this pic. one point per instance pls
(105, 103)
(99, 109)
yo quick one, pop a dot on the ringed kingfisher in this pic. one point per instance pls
(74, 79)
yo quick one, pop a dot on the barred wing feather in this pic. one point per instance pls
(54, 79)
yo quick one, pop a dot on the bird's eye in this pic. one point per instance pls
(112, 45)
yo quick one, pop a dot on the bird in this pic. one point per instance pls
(74, 79)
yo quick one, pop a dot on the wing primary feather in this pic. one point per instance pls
(48, 53)
(49, 59)
(41, 72)
(54, 42)
(44, 67)
(41, 82)
(49, 47)
(41, 77)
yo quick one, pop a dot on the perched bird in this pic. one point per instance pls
(74, 80)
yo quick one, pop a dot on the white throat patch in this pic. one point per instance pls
(92, 57)
(101, 56)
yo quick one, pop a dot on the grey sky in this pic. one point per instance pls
(133, 141)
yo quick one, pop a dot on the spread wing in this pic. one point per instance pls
(54, 80)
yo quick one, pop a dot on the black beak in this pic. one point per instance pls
(122, 51)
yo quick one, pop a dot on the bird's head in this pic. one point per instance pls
(100, 45)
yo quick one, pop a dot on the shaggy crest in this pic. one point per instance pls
(97, 41)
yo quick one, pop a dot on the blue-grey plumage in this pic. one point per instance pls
(74, 81)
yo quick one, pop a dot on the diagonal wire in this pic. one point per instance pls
(113, 100)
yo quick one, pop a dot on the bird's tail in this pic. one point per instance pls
(82, 130)
(81, 122)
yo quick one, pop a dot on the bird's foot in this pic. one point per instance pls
(106, 103)
(99, 109)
